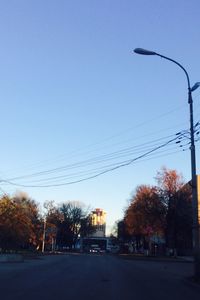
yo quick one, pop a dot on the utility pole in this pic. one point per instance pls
(44, 235)
(196, 236)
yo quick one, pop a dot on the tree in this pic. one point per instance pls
(176, 196)
(19, 222)
(30, 209)
(184, 220)
(145, 215)
(145, 211)
(86, 226)
(51, 220)
(114, 229)
(74, 223)
(169, 183)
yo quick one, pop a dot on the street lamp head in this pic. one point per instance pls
(144, 51)
(195, 86)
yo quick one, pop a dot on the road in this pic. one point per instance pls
(91, 276)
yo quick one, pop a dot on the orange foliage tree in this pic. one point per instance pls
(145, 215)
(177, 198)
(19, 222)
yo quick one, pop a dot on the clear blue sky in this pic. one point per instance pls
(72, 90)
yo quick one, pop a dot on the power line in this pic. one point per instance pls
(99, 159)
(126, 163)
(94, 171)
(148, 147)
(75, 152)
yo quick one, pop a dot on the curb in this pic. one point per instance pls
(11, 258)
(155, 259)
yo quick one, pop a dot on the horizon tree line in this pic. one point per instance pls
(163, 211)
(24, 227)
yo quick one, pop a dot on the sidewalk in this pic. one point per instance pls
(187, 259)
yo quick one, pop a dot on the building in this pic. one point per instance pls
(98, 222)
(96, 241)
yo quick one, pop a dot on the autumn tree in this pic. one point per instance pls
(19, 222)
(176, 196)
(145, 215)
(51, 221)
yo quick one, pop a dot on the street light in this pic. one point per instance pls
(196, 245)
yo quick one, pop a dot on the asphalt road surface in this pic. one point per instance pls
(91, 276)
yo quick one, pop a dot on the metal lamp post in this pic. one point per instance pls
(196, 246)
